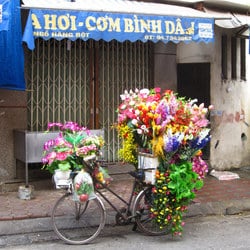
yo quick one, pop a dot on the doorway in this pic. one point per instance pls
(193, 81)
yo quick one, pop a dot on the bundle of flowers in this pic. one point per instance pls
(173, 129)
(73, 144)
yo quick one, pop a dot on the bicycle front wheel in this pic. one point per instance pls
(144, 219)
(78, 223)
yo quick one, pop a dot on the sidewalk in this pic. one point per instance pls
(215, 198)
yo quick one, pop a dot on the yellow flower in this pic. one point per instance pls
(129, 147)
(157, 146)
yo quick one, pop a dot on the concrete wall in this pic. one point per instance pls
(230, 146)
(13, 115)
(231, 117)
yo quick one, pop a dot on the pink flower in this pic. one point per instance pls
(62, 156)
(85, 150)
(200, 167)
(211, 107)
(59, 141)
(50, 157)
(201, 123)
(121, 118)
(157, 90)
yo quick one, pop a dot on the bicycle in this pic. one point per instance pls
(81, 222)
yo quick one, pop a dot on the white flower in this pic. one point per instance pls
(123, 106)
(179, 136)
(134, 122)
(139, 131)
(193, 101)
(123, 97)
(144, 129)
(144, 91)
(165, 139)
(169, 132)
(132, 103)
(203, 134)
(137, 112)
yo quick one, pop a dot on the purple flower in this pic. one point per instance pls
(200, 167)
(47, 145)
(199, 143)
(171, 145)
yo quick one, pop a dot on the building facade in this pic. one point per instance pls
(82, 81)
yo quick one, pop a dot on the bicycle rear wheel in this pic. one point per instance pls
(78, 223)
(144, 220)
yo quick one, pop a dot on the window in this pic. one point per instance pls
(243, 59)
(224, 57)
(233, 57)
(237, 47)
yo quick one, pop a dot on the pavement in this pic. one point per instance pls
(20, 217)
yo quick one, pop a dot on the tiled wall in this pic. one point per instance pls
(13, 115)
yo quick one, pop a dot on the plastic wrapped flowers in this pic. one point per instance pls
(73, 144)
(174, 130)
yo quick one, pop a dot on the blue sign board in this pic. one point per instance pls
(84, 25)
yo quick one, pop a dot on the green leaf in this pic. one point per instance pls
(85, 188)
(64, 166)
(74, 139)
(199, 184)
(183, 181)
(59, 150)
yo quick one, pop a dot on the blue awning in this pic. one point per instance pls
(11, 50)
(127, 20)
(5, 7)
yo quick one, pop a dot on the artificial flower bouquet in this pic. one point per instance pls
(73, 144)
(174, 130)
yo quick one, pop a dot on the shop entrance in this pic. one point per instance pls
(193, 81)
(82, 82)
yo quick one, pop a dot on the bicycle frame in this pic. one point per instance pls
(137, 182)
(127, 203)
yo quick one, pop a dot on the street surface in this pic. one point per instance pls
(215, 232)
